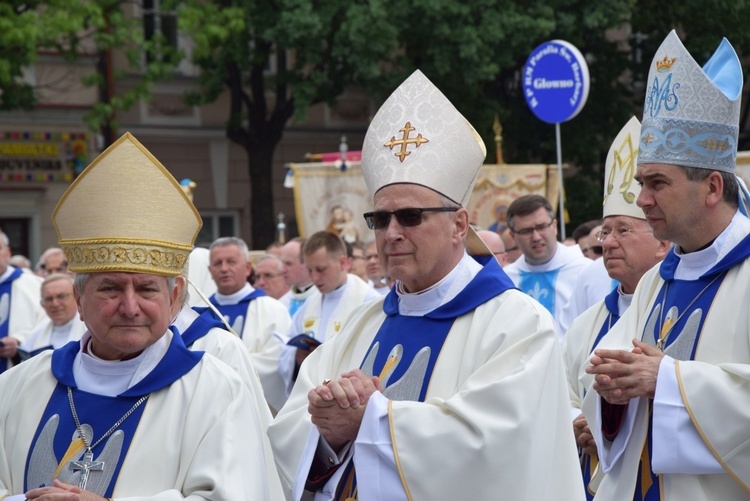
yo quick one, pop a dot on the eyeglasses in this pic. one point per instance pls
(268, 276)
(525, 232)
(60, 297)
(596, 249)
(511, 249)
(617, 233)
(411, 216)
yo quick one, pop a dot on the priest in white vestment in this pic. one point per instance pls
(128, 412)
(548, 270)
(668, 385)
(629, 250)
(20, 308)
(205, 332)
(452, 386)
(253, 315)
(61, 323)
(323, 314)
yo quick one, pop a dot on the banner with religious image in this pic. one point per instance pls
(327, 197)
(498, 185)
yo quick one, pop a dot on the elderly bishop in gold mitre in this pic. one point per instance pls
(128, 411)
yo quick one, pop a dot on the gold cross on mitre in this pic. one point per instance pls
(406, 141)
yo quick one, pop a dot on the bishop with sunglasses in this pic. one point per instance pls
(452, 385)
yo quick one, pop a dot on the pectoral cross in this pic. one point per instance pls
(86, 466)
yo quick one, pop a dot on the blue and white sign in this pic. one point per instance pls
(556, 81)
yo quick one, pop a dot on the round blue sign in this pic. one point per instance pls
(556, 81)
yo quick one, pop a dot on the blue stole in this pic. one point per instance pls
(540, 286)
(294, 305)
(233, 312)
(6, 297)
(610, 302)
(589, 463)
(56, 430)
(411, 336)
(200, 327)
(696, 296)
(430, 330)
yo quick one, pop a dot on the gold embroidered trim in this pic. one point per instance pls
(392, 429)
(92, 256)
(698, 428)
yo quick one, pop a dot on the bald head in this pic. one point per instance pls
(495, 243)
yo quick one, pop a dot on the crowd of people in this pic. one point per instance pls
(436, 361)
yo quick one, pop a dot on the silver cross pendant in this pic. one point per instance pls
(86, 466)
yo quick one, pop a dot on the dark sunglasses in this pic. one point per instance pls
(406, 217)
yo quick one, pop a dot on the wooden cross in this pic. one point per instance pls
(86, 466)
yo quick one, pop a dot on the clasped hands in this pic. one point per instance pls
(62, 492)
(337, 406)
(620, 375)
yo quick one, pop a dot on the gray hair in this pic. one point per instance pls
(266, 257)
(227, 241)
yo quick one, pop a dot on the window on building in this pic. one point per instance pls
(159, 23)
(215, 225)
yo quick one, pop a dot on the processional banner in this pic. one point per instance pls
(327, 197)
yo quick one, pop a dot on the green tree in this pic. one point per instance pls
(473, 50)
(73, 30)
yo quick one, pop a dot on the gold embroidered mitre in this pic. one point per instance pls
(419, 137)
(621, 190)
(126, 212)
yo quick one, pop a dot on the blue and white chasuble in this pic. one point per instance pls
(234, 314)
(56, 443)
(5, 305)
(677, 320)
(404, 362)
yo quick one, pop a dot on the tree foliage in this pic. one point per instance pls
(275, 58)
(73, 30)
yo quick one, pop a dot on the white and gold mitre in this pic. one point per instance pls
(691, 114)
(620, 187)
(419, 137)
(126, 213)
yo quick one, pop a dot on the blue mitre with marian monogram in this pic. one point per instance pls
(691, 114)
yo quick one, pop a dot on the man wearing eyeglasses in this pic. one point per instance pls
(20, 309)
(495, 245)
(61, 324)
(269, 273)
(630, 250)
(667, 387)
(548, 270)
(451, 386)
